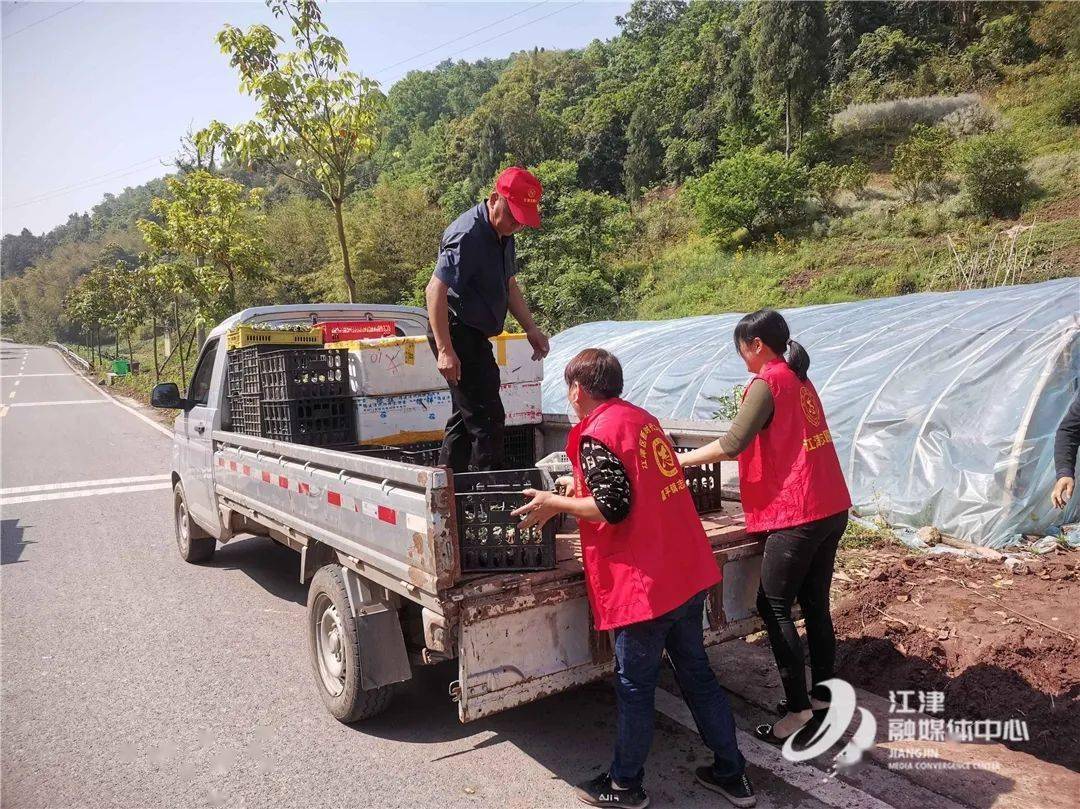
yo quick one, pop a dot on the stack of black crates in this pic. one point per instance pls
(491, 538)
(296, 394)
(305, 396)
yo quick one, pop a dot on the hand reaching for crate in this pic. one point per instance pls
(545, 505)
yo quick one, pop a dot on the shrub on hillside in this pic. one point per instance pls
(974, 119)
(856, 175)
(993, 174)
(826, 181)
(921, 161)
(1067, 106)
(753, 189)
(899, 115)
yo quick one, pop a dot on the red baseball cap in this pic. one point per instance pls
(522, 191)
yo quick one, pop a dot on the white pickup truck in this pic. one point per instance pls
(378, 541)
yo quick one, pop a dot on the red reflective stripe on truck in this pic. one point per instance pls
(220, 461)
(303, 488)
(283, 481)
(232, 466)
(265, 477)
(388, 515)
(247, 469)
(333, 498)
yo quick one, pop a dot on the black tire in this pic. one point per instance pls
(193, 543)
(328, 605)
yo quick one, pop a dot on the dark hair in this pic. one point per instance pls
(598, 372)
(769, 326)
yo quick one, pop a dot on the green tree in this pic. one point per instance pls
(393, 231)
(752, 189)
(206, 242)
(993, 175)
(922, 160)
(568, 267)
(299, 233)
(791, 54)
(316, 122)
(643, 163)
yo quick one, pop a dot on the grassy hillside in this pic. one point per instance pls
(878, 245)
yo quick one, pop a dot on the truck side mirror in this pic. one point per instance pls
(167, 395)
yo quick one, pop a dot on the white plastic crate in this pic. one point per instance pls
(522, 402)
(514, 357)
(402, 419)
(391, 366)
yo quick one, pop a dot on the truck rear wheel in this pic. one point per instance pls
(194, 544)
(333, 644)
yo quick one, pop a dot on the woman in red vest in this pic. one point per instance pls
(794, 496)
(648, 566)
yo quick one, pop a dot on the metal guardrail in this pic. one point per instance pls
(71, 355)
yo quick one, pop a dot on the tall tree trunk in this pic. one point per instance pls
(346, 268)
(116, 342)
(153, 329)
(787, 119)
(130, 353)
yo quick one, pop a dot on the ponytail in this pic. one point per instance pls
(769, 326)
(797, 359)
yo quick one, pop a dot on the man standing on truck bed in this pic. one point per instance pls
(467, 299)
(648, 568)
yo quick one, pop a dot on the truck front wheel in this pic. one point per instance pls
(194, 544)
(333, 644)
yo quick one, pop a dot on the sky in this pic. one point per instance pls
(96, 96)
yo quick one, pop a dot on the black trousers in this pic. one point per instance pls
(798, 565)
(474, 433)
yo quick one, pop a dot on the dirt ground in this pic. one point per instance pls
(999, 644)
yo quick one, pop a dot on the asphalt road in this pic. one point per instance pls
(132, 679)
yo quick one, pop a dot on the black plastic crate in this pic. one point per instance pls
(704, 483)
(236, 372)
(314, 422)
(491, 538)
(304, 373)
(244, 370)
(424, 453)
(519, 446)
(246, 414)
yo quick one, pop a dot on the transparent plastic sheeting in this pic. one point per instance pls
(943, 406)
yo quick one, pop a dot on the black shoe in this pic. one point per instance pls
(738, 790)
(600, 792)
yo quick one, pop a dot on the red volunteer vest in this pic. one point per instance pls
(658, 556)
(790, 475)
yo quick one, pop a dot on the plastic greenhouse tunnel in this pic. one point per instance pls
(943, 406)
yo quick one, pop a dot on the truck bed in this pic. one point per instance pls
(517, 635)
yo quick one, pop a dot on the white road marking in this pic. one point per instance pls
(3, 410)
(16, 383)
(65, 402)
(163, 430)
(802, 776)
(79, 484)
(11, 376)
(11, 395)
(37, 498)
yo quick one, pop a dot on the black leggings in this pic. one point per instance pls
(798, 564)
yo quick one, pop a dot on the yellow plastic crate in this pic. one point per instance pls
(244, 336)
